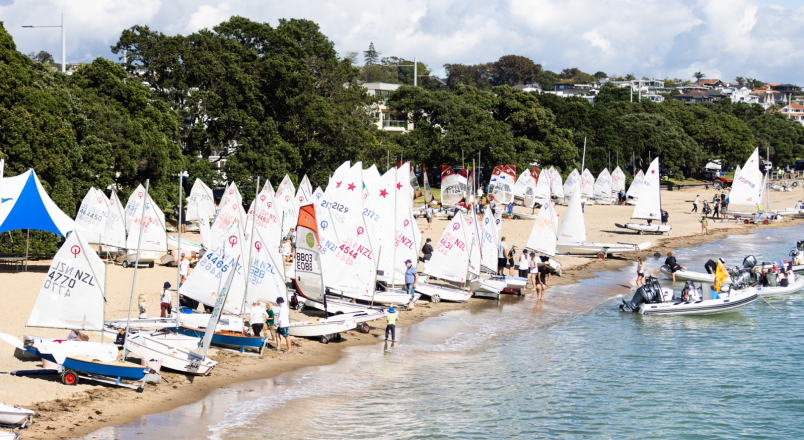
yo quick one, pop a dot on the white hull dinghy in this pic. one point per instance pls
(688, 275)
(642, 228)
(13, 415)
(652, 299)
(442, 293)
(649, 205)
(144, 324)
(172, 357)
(511, 282)
(325, 329)
(176, 340)
(486, 288)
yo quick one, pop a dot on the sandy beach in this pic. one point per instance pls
(63, 411)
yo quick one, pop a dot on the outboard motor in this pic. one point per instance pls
(651, 292)
(749, 262)
(740, 280)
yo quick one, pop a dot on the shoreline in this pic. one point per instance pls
(98, 407)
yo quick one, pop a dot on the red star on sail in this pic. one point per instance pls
(383, 193)
(653, 171)
(351, 187)
(338, 184)
(399, 185)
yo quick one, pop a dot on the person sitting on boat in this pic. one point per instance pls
(673, 265)
(789, 275)
(690, 293)
(120, 341)
(141, 308)
(711, 265)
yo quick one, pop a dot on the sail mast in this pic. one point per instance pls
(136, 267)
(251, 247)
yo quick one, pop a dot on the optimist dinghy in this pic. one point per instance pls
(326, 329)
(653, 299)
(13, 415)
(450, 262)
(649, 204)
(572, 237)
(172, 357)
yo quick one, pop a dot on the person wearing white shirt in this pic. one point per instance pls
(695, 204)
(524, 265)
(257, 318)
(164, 300)
(283, 323)
(184, 268)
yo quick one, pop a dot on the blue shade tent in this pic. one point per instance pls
(25, 205)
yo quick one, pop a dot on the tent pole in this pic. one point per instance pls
(136, 266)
(27, 243)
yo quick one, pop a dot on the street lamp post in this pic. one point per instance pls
(63, 46)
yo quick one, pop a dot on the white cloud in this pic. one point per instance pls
(675, 38)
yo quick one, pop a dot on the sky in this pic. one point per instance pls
(653, 38)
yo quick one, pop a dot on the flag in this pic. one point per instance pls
(720, 276)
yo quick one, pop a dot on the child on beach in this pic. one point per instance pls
(391, 327)
(640, 272)
(704, 225)
(141, 307)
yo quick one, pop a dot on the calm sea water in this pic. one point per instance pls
(570, 367)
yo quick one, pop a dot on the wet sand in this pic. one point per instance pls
(63, 411)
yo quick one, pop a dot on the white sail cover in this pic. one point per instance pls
(525, 188)
(587, 184)
(573, 229)
(747, 187)
(231, 211)
(152, 227)
(72, 295)
(556, 188)
(504, 184)
(450, 259)
(488, 247)
(602, 189)
(453, 186)
(91, 216)
(286, 204)
(617, 180)
(266, 277)
(225, 255)
(542, 193)
(498, 222)
(649, 204)
(115, 232)
(636, 185)
(543, 235)
(133, 205)
(201, 203)
(267, 219)
(308, 258)
(574, 178)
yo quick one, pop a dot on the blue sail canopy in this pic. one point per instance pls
(25, 205)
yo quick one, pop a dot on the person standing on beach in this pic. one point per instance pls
(164, 299)
(141, 307)
(269, 322)
(257, 318)
(391, 326)
(283, 323)
(502, 251)
(533, 271)
(524, 265)
(510, 211)
(411, 277)
(428, 212)
(716, 208)
(510, 260)
(640, 281)
(427, 250)
(695, 204)
(704, 225)
(184, 269)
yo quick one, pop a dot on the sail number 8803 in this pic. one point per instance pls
(304, 261)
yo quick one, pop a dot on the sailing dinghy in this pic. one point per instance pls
(151, 226)
(572, 236)
(450, 262)
(649, 205)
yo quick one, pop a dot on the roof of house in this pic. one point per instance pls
(707, 81)
(794, 106)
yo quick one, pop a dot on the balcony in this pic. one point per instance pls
(390, 123)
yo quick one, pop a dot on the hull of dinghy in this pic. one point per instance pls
(590, 249)
(231, 339)
(705, 307)
(440, 293)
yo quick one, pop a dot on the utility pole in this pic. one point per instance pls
(63, 44)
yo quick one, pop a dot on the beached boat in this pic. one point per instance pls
(172, 357)
(511, 282)
(450, 262)
(325, 329)
(649, 205)
(652, 299)
(438, 293)
(13, 415)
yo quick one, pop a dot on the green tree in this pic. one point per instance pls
(740, 80)
(600, 75)
(371, 56)
(629, 77)
(698, 76)
(478, 75)
(511, 70)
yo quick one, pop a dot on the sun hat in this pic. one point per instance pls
(392, 310)
(280, 300)
(166, 286)
(408, 261)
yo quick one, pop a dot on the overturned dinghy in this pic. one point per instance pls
(653, 299)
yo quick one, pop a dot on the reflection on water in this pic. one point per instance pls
(568, 367)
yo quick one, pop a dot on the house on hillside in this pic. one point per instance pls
(710, 83)
(535, 87)
(386, 120)
(707, 98)
(794, 111)
(786, 90)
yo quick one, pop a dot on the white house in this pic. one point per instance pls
(384, 118)
(794, 111)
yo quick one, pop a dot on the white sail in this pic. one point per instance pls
(572, 179)
(573, 229)
(556, 188)
(286, 204)
(504, 184)
(747, 187)
(201, 203)
(151, 226)
(498, 222)
(736, 173)
(649, 204)
(217, 311)
(267, 187)
(473, 240)
(266, 276)
(414, 183)
(542, 192)
(305, 184)
(602, 188)
(406, 245)
(205, 232)
(133, 205)
(91, 216)
(380, 211)
(308, 258)
(428, 193)
(488, 247)
(327, 238)
(617, 180)
(115, 232)
(543, 236)
(525, 188)
(225, 255)
(450, 259)
(587, 184)
(72, 295)
(453, 186)
(636, 185)
(268, 220)
(231, 211)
